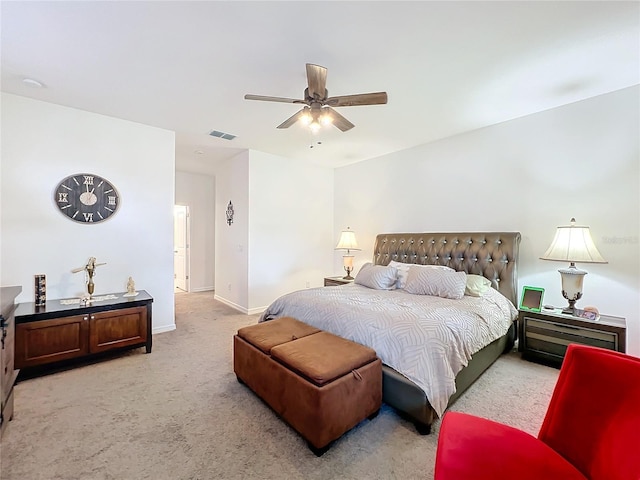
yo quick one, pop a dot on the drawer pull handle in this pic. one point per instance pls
(86, 318)
(93, 317)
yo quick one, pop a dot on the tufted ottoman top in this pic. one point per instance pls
(267, 335)
(322, 357)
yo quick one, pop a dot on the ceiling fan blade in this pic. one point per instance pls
(317, 80)
(377, 98)
(338, 120)
(293, 119)
(272, 99)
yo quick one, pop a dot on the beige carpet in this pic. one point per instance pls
(179, 413)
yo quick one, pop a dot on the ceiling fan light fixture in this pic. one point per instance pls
(326, 118)
(315, 126)
(320, 111)
(306, 118)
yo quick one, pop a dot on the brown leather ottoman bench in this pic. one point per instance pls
(320, 384)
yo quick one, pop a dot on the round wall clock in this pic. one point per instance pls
(86, 198)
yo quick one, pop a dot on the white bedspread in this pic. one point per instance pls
(427, 339)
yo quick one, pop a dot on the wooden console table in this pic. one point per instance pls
(58, 332)
(7, 334)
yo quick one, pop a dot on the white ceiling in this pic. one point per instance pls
(448, 67)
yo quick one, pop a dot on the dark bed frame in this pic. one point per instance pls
(490, 254)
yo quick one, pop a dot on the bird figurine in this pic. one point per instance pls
(90, 269)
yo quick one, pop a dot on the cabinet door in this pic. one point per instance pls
(47, 341)
(8, 346)
(117, 328)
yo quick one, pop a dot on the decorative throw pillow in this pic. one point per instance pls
(403, 270)
(437, 282)
(378, 277)
(476, 285)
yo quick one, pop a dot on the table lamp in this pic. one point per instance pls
(572, 243)
(347, 242)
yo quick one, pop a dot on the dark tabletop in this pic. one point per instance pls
(28, 312)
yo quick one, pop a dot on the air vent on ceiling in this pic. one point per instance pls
(226, 136)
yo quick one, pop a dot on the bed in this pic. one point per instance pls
(397, 324)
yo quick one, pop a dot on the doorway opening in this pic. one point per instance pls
(181, 240)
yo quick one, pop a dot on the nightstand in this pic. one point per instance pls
(544, 336)
(333, 281)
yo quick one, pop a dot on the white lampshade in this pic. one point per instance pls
(347, 241)
(573, 243)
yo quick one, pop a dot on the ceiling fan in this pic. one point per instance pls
(318, 110)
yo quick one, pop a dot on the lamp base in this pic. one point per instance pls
(348, 277)
(571, 308)
(572, 278)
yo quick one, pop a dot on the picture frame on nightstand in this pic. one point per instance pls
(588, 314)
(531, 299)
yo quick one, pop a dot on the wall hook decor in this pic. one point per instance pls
(229, 213)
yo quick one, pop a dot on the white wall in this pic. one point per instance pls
(198, 193)
(291, 227)
(281, 236)
(231, 253)
(528, 175)
(43, 143)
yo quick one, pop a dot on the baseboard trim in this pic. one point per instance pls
(202, 289)
(253, 311)
(166, 328)
(235, 306)
(229, 303)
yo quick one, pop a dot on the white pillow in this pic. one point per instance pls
(476, 285)
(378, 277)
(437, 282)
(403, 270)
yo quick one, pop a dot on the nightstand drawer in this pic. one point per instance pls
(545, 336)
(550, 339)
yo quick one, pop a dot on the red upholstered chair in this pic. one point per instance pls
(591, 430)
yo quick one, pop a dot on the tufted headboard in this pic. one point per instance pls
(493, 255)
